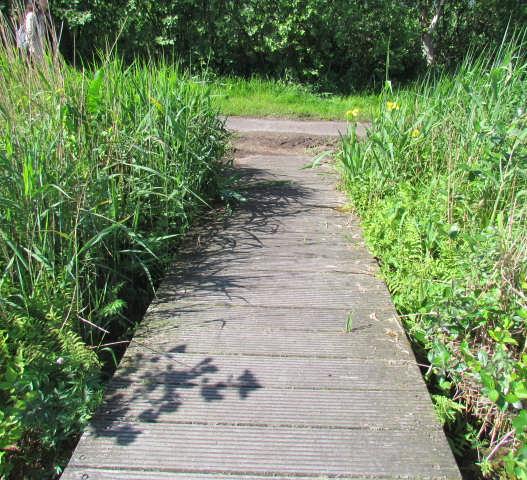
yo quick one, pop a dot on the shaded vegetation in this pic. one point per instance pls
(329, 43)
(441, 184)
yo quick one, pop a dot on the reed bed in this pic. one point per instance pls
(101, 171)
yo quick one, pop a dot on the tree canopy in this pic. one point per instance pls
(343, 43)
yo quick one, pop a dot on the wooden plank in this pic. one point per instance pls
(141, 474)
(291, 249)
(318, 296)
(167, 315)
(224, 404)
(367, 342)
(283, 221)
(177, 367)
(262, 450)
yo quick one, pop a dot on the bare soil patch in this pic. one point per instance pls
(259, 143)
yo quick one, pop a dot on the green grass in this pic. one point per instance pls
(100, 173)
(257, 97)
(441, 185)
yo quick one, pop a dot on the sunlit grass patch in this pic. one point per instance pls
(273, 98)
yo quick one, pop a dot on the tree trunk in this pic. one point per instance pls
(427, 41)
(429, 52)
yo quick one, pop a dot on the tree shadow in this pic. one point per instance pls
(206, 257)
(151, 388)
(160, 381)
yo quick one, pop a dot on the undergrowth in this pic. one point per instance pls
(100, 172)
(441, 185)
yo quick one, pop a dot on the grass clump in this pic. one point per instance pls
(273, 98)
(99, 171)
(441, 185)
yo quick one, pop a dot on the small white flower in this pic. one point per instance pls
(59, 361)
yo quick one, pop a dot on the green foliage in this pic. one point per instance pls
(99, 172)
(329, 43)
(441, 183)
(476, 24)
(49, 384)
(278, 98)
(325, 42)
(446, 408)
(349, 323)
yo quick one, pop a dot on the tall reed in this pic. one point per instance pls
(100, 171)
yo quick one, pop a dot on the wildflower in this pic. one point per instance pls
(415, 133)
(59, 361)
(392, 106)
(155, 102)
(353, 113)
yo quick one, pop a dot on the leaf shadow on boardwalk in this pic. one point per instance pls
(213, 246)
(161, 392)
(153, 378)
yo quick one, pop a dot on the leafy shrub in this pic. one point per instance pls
(441, 184)
(100, 172)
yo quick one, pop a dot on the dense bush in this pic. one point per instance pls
(320, 41)
(441, 186)
(331, 43)
(99, 171)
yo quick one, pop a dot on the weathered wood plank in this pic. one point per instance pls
(167, 315)
(321, 295)
(369, 341)
(150, 367)
(141, 474)
(224, 404)
(266, 450)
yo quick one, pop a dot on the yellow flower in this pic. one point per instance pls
(415, 133)
(392, 106)
(353, 113)
(156, 103)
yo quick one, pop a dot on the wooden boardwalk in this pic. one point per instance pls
(243, 368)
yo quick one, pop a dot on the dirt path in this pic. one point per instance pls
(273, 350)
(280, 126)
